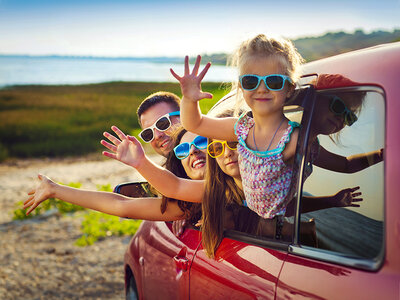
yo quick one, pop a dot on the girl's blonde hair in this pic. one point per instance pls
(263, 46)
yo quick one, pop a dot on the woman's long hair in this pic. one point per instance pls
(220, 192)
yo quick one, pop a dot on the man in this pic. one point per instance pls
(157, 114)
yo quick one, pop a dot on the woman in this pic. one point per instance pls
(149, 208)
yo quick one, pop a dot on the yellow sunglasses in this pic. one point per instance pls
(217, 148)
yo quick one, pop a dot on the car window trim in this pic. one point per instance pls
(373, 264)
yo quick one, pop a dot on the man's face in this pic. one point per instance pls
(162, 142)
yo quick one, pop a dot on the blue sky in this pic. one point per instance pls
(175, 28)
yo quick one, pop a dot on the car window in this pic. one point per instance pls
(352, 232)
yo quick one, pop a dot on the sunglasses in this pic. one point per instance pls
(217, 148)
(274, 82)
(162, 124)
(183, 150)
(338, 107)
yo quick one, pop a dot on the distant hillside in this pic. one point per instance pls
(332, 43)
(313, 48)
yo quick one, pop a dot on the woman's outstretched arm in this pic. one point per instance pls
(106, 202)
(127, 149)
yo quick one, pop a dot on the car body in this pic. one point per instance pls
(357, 256)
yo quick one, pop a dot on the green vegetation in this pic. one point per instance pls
(64, 120)
(95, 225)
(313, 48)
(332, 43)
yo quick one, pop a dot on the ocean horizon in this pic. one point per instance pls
(64, 70)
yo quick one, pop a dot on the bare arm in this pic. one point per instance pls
(106, 202)
(350, 164)
(343, 198)
(191, 116)
(129, 151)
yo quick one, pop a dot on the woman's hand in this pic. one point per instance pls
(126, 149)
(191, 82)
(41, 193)
(347, 197)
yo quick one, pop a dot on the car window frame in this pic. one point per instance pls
(325, 255)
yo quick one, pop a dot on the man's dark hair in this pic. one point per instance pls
(159, 97)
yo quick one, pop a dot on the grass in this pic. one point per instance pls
(67, 120)
(95, 225)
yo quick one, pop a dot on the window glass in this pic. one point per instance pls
(348, 124)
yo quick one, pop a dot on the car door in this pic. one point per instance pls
(241, 270)
(349, 260)
(165, 260)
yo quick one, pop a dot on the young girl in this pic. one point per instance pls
(268, 71)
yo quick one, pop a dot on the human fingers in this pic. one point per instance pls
(196, 65)
(112, 138)
(356, 194)
(118, 132)
(354, 188)
(187, 71)
(357, 200)
(175, 75)
(109, 146)
(28, 203)
(205, 95)
(28, 200)
(204, 71)
(32, 208)
(110, 155)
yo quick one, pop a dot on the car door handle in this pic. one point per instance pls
(182, 263)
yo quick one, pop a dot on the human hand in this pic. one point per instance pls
(126, 149)
(178, 227)
(347, 197)
(39, 194)
(191, 82)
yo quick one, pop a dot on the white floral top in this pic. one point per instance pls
(266, 178)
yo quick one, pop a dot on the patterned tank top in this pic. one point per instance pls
(266, 178)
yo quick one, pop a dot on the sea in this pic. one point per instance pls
(56, 70)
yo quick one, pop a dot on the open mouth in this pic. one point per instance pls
(164, 143)
(198, 163)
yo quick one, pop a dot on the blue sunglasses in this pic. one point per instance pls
(274, 82)
(183, 150)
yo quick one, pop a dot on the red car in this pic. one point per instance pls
(356, 254)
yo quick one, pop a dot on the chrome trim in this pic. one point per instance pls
(337, 258)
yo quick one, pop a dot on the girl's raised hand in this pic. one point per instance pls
(191, 82)
(41, 193)
(126, 149)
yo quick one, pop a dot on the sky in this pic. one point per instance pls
(176, 28)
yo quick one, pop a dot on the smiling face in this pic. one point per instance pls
(263, 101)
(195, 163)
(162, 140)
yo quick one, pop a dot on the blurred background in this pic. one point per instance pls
(71, 69)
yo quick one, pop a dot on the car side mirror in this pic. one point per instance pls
(135, 189)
